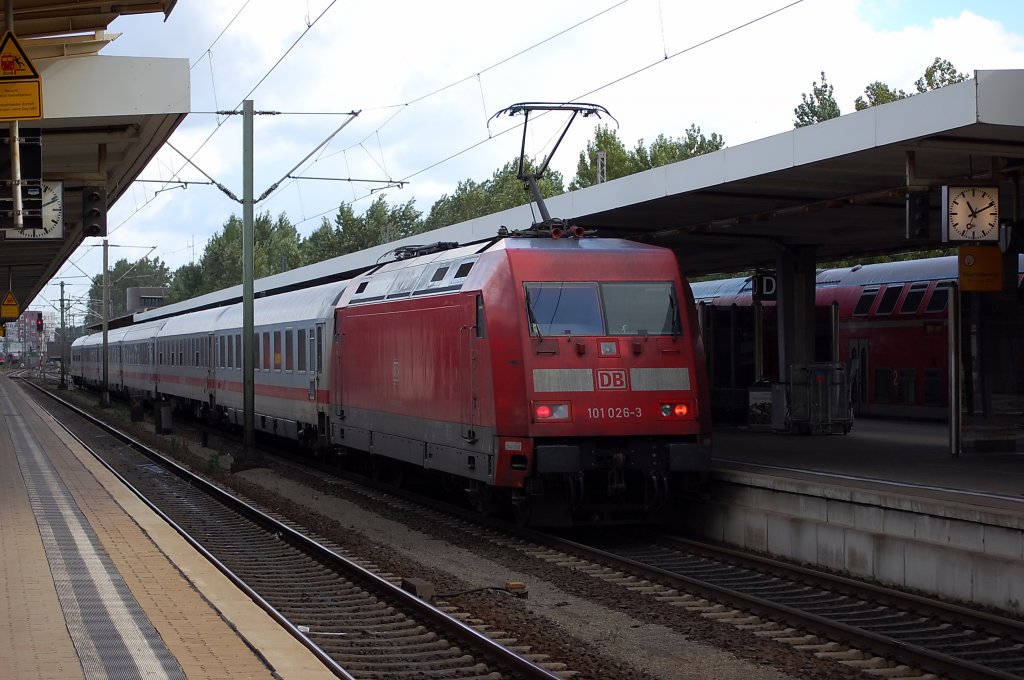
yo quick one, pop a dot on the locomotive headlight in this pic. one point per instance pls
(680, 409)
(551, 412)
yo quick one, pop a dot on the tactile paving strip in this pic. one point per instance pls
(112, 634)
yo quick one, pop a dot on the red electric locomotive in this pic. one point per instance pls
(564, 376)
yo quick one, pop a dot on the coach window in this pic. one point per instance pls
(867, 297)
(277, 350)
(940, 297)
(266, 350)
(289, 350)
(238, 350)
(889, 298)
(302, 350)
(222, 353)
(912, 302)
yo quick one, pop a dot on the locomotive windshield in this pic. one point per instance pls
(616, 308)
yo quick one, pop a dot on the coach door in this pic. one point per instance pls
(211, 376)
(316, 356)
(858, 376)
(470, 333)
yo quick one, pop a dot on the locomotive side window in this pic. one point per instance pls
(912, 302)
(561, 308)
(889, 298)
(404, 282)
(867, 297)
(940, 297)
(439, 274)
(647, 308)
(463, 270)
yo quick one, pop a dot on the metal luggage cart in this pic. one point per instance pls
(819, 399)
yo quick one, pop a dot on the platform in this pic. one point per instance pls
(96, 585)
(890, 452)
(887, 502)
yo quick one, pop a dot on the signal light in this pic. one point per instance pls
(94, 211)
(918, 216)
(39, 324)
(550, 412)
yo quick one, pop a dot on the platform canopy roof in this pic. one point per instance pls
(104, 118)
(838, 187)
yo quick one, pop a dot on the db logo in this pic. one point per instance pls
(611, 379)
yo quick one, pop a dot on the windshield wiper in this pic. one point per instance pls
(531, 316)
(676, 326)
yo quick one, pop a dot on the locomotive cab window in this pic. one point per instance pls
(582, 308)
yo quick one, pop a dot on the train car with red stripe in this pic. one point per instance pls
(893, 336)
(561, 378)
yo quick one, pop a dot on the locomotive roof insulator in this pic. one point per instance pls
(407, 252)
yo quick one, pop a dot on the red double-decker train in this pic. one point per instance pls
(893, 336)
(561, 377)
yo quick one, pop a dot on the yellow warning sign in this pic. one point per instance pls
(981, 268)
(9, 309)
(21, 88)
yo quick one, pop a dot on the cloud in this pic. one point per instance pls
(720, 66)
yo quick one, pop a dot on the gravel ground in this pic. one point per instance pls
(599, 629)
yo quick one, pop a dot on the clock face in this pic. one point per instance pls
(52, 214)
(973, 214)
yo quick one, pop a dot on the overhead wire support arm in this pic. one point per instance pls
(351, 117)
(577, 109)
(215, 183)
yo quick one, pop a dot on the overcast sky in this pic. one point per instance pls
(428, 76)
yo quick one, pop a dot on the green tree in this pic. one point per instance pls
(939, 74)
(664, 150)
(818, 106)
(618, 161)
(275, 250)
(350, 233)
(186, 283)
(502, 191)
(123, 275)
(878, 93)
(621, 162)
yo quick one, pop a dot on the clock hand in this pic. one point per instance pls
(971, 208)
(50, 202)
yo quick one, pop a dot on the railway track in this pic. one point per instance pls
(360, 624)
(937, 637)
(879, 630)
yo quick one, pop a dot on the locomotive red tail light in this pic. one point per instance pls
(681, 409)
(550, 412)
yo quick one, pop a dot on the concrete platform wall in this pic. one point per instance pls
(959, 551)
